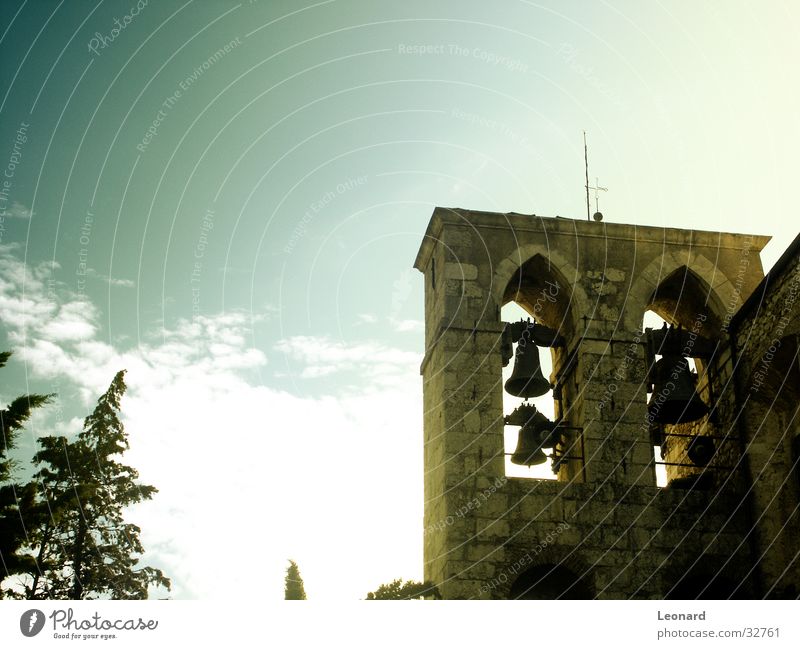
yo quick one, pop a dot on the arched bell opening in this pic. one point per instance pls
(537, 292)
(543, 292)
(512, 312)
(684, 298)
(549, 581)
(684, 388)
(653, 321)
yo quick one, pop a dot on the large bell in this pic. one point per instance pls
(674, 399)
(536, 431)
(527, 380)
(529, 447)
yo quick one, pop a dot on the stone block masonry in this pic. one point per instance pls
(603, 529)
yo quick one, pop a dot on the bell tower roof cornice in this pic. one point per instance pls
(452, 216)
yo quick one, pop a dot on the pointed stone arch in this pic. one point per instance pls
(574, 299)
(719, 295)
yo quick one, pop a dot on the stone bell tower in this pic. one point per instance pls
(603, 528)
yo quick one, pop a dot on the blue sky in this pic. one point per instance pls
(226, 199)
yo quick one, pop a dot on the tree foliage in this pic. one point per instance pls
(15, 499)
(294, 583)
(398, 589)
(78, 541)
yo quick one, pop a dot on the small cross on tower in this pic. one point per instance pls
(597, 189)
(597, 214)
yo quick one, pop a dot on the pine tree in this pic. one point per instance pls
(81, 544)
(16, 500)
(294, 583)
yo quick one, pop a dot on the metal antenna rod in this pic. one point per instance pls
(586, 161)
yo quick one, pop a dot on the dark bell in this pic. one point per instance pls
(536, 432)
(674, 399)
(522, 414)
(527, 380)
(529, 448)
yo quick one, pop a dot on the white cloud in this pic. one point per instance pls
(113, 281)
(366, 318)
(25, 299)
(403, 326)
(370, 361)
(73, 321)
(19, 211)
(299, 477)
(395, 324)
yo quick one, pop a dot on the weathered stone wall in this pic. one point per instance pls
(755, 393)
(604, 520)
(767, 386)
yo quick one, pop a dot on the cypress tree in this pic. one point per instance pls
(294, 583)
